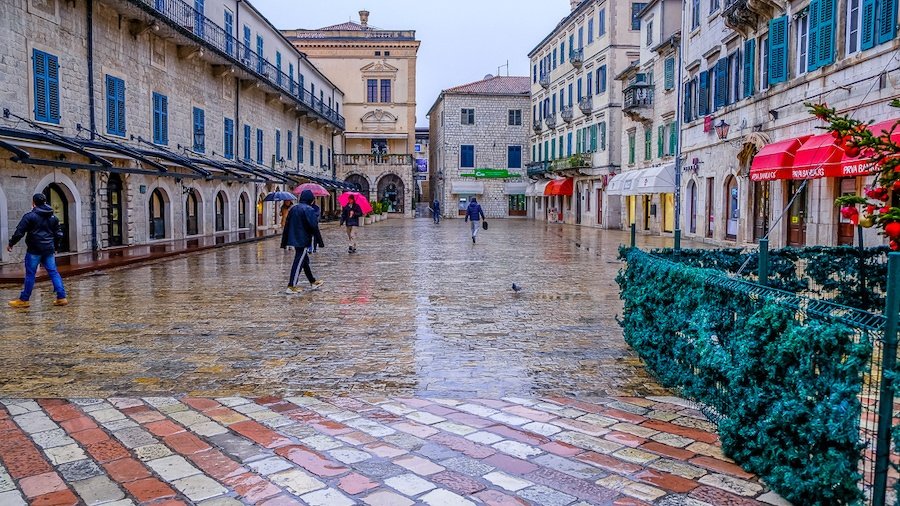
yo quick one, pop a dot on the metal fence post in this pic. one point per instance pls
(633, 235)
(764, 262)
(888, 364)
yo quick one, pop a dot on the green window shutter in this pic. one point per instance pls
(867, 35)
(673, 138)
(661, 141)
(749, 67)
(648, 143)
(778, 48)
(670, 73)
(827, 29)
(812, 50)
(631, 141)
(593, 138)
(887, 20)
(721, 97)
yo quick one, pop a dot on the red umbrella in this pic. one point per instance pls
(316, 189)
(363, 202)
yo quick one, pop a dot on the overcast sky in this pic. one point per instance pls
(462, 40)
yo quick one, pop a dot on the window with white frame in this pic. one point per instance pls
(649, 33)
(802, 25)
(854, 25)
(695, 14)
(764, 62)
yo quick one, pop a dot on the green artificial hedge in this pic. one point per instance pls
(785, 385)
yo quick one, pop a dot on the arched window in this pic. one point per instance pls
(220, 212)
(242, 211)
(191, 208)
(114, 210)
(157, 215)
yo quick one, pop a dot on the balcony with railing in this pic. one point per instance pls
(226, 49)
(545, 80)
(586, 105)
(568, 113)
(538, 125)
(535, 169)
(574, 162)
(366, 160)
(638, 97)
(576, 56)
(550, 120)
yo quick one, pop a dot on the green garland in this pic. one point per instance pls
(785, 384)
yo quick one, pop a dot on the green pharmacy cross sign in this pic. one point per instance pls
(492, 174)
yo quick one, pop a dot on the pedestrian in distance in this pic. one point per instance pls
(41, 230)
(285, 209)
(436, 211)
(474, 214)
(350, 217)
(301, 231)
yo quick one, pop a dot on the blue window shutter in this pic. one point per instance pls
(670, 73)
(812, 50)
(229, 138)
(53, 88)
(300, 141)
(277, 145)
(155, 121)
(40, 86)
(887, 20)
(289, 149)
(703, 96)
(111, 123)
(828, 26)
(749, 67)
(722, 83)
(160, 119)
(867, 35)
(778, 48)
(687, 102)
(120, 106)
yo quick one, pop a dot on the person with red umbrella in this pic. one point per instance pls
(350, 216)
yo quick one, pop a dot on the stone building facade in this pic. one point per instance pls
(650, 130)
(750, 144)
(376, 68)
(478, 146)
(151, 122)
(577, 112)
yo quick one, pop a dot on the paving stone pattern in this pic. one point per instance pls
(364, 449)
(419, 310)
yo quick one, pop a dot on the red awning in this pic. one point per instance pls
(861, 166)
(563, 187)
(818, 154)
(774, 161)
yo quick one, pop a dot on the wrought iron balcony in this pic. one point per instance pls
(538, 125)
(567, 113)
(576, 56)
(534, 169)
(574, 162)
(550, 120)
(545, 80)
(366, 160)
(638, 97)
(586, 105)
(226, 49)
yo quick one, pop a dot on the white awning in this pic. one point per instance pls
(621, 184)
(515, 188)
(658, 179)
(467, 188)
(536, 189)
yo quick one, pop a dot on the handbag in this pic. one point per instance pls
(484, 224)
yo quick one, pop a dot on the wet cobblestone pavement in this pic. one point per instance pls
(414, 376)
(419, 310)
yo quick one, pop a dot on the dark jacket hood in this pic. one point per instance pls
(43, 210)
(307, 197)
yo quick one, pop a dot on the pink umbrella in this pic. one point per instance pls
(316, 189)
(363, 202)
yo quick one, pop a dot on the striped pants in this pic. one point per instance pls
(301, 261)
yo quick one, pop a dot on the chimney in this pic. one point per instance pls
(364, 18)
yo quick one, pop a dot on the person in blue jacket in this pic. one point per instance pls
(474, 214)
(301, 231)
(436, 211)
(40, 228)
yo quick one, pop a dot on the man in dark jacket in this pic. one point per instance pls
(350, 216)
(436, 211)
(301, 231)
(475, 215)
(40, 228)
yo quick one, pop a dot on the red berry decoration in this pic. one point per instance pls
(895, 246)
(836, 134)
(870, 209)
(848, 212)
(852, 151)
(896, 185)
(892, 230)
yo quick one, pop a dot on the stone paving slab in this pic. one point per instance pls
(170, 457)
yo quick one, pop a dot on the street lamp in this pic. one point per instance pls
(722, 129)
(199, 139)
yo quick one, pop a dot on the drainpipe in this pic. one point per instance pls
(95, 244)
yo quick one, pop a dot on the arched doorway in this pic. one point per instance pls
(391, 193)
(692, 207)
(731, 208)
(361, 182)
(221, 211)
(191, 213)
(114, 228)
(56, 199)
(242, 211)
(157, 215)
